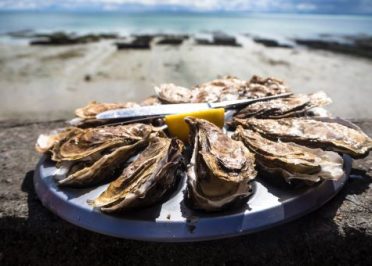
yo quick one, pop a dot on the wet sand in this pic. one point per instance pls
(48, 82)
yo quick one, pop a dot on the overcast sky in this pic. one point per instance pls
(307, 6)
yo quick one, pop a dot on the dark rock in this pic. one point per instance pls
(173, 39)
(358, 46)
(219, 38)
(271, 43)
(61, 38)
(139, 42)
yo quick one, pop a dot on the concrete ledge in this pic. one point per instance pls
(338, 233)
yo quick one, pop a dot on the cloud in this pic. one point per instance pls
(326, 6)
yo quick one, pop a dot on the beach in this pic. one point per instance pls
(49, 82)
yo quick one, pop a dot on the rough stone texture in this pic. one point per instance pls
(340, 233)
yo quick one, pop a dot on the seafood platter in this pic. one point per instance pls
(208, 174)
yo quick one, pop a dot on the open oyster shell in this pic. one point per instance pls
(326, 134)
(294, 105)
(291, 160)
(93, 108)
(146, 180)
(220, 169)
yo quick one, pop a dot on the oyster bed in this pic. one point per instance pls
(281, 140)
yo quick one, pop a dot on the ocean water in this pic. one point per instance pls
(264, 25)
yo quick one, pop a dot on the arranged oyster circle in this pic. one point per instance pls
(329, 135)
(279, 137)
(220, 169)
(290, 160)
(146, 179)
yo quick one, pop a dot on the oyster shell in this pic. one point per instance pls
(326, 134)
(45, 142)
(259, 87)
(96, 169)
(170, 93)
(291, 160)
(87, 142)
(224, 89)
(220, 169)
(294, 105)
(93, 108)
(146, 180)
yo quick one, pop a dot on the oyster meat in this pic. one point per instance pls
(220, 169)
(146, 180)
(326, 134)
(290, 160)
(93, 108)
(294, 105)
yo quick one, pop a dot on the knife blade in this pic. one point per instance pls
(169, 109)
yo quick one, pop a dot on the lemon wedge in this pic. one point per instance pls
(177, 126)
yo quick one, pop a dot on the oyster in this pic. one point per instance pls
(152, 100)
(146, 180)
(294, 105)
(220, 169)
(45, 142)
(96, 169)
(291, 160)
(224, 89)
(259, 87)
(93, 108)
(327, 134)
(87, 142)
(170, 93)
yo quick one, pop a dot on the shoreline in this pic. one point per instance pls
(47, 82)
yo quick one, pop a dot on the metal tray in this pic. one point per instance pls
(173, 221)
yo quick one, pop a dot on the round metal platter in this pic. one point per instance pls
(173, 221)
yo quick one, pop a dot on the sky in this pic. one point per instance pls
(283, 6)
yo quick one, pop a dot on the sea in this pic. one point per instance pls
(277, 26)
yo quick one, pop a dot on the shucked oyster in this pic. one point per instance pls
(220, 170)
(329, 135)
(146, 180)
(294, 105)
(291, 160)
(93, 108)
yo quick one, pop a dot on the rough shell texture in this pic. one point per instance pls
(95, 170)
(327, 134)
(220, 169)
(89, 141)
(291, 160)
(45, 142)
(93, 108)
(146, 180)
(294, 105)
(170, 93)
(223, 89)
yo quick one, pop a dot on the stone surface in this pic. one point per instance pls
(339, 233)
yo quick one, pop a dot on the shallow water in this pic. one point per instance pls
(269, 25)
